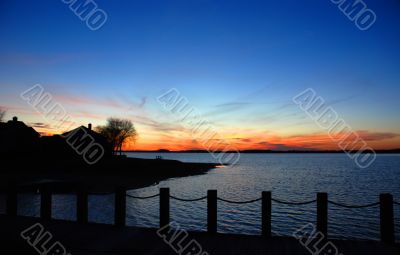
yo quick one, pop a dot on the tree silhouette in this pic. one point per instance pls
(2, 114)
(117, 132)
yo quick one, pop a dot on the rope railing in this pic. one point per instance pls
(353, 206)
(147, 197)
(385, 203)
(293, 203)
(248, 201)
(254, 200)
(188, 200)
(239, 202)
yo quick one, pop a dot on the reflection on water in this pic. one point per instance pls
(290, 177)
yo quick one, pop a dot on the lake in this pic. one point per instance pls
(290, 177)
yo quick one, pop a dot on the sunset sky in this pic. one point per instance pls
(239, 63)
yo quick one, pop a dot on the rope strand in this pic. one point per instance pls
(156, 195)
(354, 206)
(239, 202)
(188, 200)
(293, 203)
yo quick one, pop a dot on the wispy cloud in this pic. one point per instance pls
(157, 125)
(376, 136)
(39, 125)
(85, 100)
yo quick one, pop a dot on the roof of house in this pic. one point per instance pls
(96, 136)
(15, 127)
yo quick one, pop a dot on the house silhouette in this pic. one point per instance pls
(18, 139)
(57, 145)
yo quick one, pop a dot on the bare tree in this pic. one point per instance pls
(2, 114)
(117, 132)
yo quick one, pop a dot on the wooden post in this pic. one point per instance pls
(387, 218)
(82, 205)
(45, 202)
(12, 200)
(212, 211)
(164, 207)
(322, 214)
(266, 207)
(120, 207)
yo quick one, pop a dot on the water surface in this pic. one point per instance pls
(290, 177)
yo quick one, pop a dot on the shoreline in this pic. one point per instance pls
(66, 175)
(394, 151)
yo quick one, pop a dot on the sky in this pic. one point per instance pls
(237, 63)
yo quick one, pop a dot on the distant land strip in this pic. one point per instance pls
(390, 151)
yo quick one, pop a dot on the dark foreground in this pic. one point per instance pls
(102, 239)
(65, 174)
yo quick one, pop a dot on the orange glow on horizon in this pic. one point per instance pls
(152, 141)
(308, 141)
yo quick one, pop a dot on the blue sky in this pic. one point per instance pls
(238, 62)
